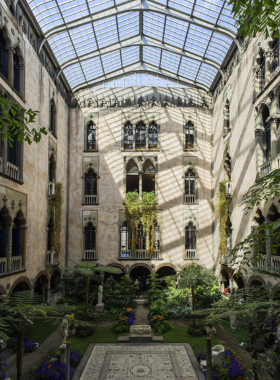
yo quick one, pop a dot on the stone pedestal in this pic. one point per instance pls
(140, 333)
(99, 308)
(210, 331)
(63, 354)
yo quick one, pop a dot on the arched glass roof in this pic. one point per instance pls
(184, 41)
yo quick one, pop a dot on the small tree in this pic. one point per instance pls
(155, 287)
(89, 271)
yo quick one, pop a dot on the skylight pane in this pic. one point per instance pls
(62, 47)
(208, 10)
(218, 47)
(183, 5)
(111, 61)
(129, 80)
(46, 12)
(92, 68)
(140, 79)
(151, 55)
(71, 9)
(152, 80)
(226, 18)
(189, 68)
(171, 83)
(119, 82)
(206, 74)
(170, 61)
(175, 32)
(109, 84)
(130, 55)
(162, 82)
(197, 40)
(83, 39)
(128, 24)
(95, 6)
(153, 24)
(106, 31)
(74, 75)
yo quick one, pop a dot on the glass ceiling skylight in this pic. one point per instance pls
(96, 41)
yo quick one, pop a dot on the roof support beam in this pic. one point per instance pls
(141, 23)
(138, 68)
(140, 6)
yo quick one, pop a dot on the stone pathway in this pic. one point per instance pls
(139, 361)
(30, 360)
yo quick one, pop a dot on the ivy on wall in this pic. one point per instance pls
(222, 214)
(141, 211)
(58, 201)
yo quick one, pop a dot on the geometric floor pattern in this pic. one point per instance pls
(139, 362)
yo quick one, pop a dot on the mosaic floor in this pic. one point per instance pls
(139, 362)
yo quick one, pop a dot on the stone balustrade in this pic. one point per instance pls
(275, 261)
(16, 263)
(90, 199)
(190, 199)
(140, 254)
(190, 254)
(90, 254)
(51, 258)
(13, 170)
(51, 189)
(265, 169)
(262, 262)
(3, 265)
(228, 186)
(1, 164)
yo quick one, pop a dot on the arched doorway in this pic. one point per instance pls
(42, 287)
(116, 277)
(256, 283)
(141, 271)
(20, 287)
(239, 282)
(165, 271)
(55, 281)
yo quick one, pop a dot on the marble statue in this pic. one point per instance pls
(64, 331)
(100, 291)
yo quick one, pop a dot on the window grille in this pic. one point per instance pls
(91, 136)
(140, 136)
(190, 193)
(128, 136)
(153, 136)
(90, 237)
(189, 136)
(90, 188)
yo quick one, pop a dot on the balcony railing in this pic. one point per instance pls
(190, 254)
(51, 258)
(140, 254)
(3, 265)
(265, 169)
(262, 262)
(90, 199)
(230, 259)
(51, 189)
(1, 164)
(90, 254)
(190, 199)
(228, 190)
(260, 76)
(13, 170)
(16, 263)
(275, 58)
(275, 261)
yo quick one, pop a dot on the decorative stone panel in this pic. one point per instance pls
(14, 201)
(94, 117)
(190, 162)
(91, 162)
(140, 160)
(90, 216)
(191, 216)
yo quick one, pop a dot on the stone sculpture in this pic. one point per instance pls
(64, 331)
(99, 308)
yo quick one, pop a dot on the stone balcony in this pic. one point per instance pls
(90, 254)
(51, 258)
(140, 254)
(12, 265)
(90, 199)
(13, 170)
(190, 254)
(229, 259)
(51, 189)
(265, 168)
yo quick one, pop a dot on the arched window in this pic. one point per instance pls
(50, 241)
(16, 72)
(266, 136)
(52, 167)
(91, 136)
(90, 238)
(189, 136)
(153, 136)
(148, 177)
(227, 167)
(260, 73)
(140, 136)
(16, 238)
(141, 242)
(132, 177)
(190, 191)
(228, 231)
(227, 117)
(3, 55)
(275, 55)
(90, 188)
(52, 117)
(128, 136)
(3, 239)
(190, 241)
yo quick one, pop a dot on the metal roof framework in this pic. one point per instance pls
(97, 40)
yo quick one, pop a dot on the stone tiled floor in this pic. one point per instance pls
(146, 362)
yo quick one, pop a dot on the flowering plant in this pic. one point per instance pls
(75, 357)
(126, 319)
(158, 323)
(28, 345)
(2, 373)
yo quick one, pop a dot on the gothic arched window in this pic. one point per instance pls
(153, 136)
(190, 240)
(260, 73)
(91, 136)
(140, 136)
(128, 136)
(189, 136)
(50, 241)
(16, 238)
(266, 136)
(52, 167)
(52, 117)
(16, 72)
(90, 188)
(3, 55)
(90, 237)
(275, 55)
(190, 191)
(227, 126)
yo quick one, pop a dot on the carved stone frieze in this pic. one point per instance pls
(140, 161)
(90, 216)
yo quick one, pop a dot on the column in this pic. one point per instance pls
(147, 137)
(259, 150)
(267, 55)
(273, 129)
(9, 247)
(10, 66)
(140, 183)
(134, 130)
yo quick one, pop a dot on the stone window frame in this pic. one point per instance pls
(86, 168)
(140, 161)
(191, 165)
(53, 130)
(186, 121)
(227, 118)
(194, 223)
(85, 222)
(94, 118)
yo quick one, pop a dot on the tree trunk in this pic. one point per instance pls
(87, 291)
(19, 354)
(192, 288)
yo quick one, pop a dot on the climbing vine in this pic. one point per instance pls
(149, 217)
(132, 215)
(137, 211)
(222, 214)
(58, 201)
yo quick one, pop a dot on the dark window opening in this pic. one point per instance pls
(266, 136)
(190, 237)
(227, 166)
(153, 136)
(190, 183)
(91, 137)
(90, 237)
(157, 237)
(52, 169)
(91, 183)
(128, 136)
(189, 136)
(3, 237)
(140, 136)
(12, 10)
(260, 73)
(275, 55)
(141, 242)
(52, 118)
(50, 242)
(16, 73)
(16, 238)
(132, 183)
(227, 118)
(3, 56)
(148, 183)
(125, 237)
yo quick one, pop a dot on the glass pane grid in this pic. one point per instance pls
(183, 5)
(140, 79)
(170, 61)
(83, 39)
(197, 40)
(151, 55)
(95, 6)
(111, 61)
(152, 80)
(71, 9)
(129, 80)
(218, 47)
(153, 24)
(208, 10)
(62, 47)
(162, 82)
(74, 75)
(189, 68)
(130, 55)
(106, 31)
(175, 32)
(92, 68)
(128, 24)
(206, 74)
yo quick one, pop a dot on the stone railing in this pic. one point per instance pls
(228, 186)
(275, 261)
(51, 258)
(90, 199)
(140, 254)
(1, 164)
(51, 189)
(3, 265)
(262, 262)
(16, 263)
(265, 169)
(13, 170)
(90, 254)
(190, 199)
(190, 254)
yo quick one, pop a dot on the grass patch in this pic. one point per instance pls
(101, 335)
(40, 331)
(239, 334)
(179, 334)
